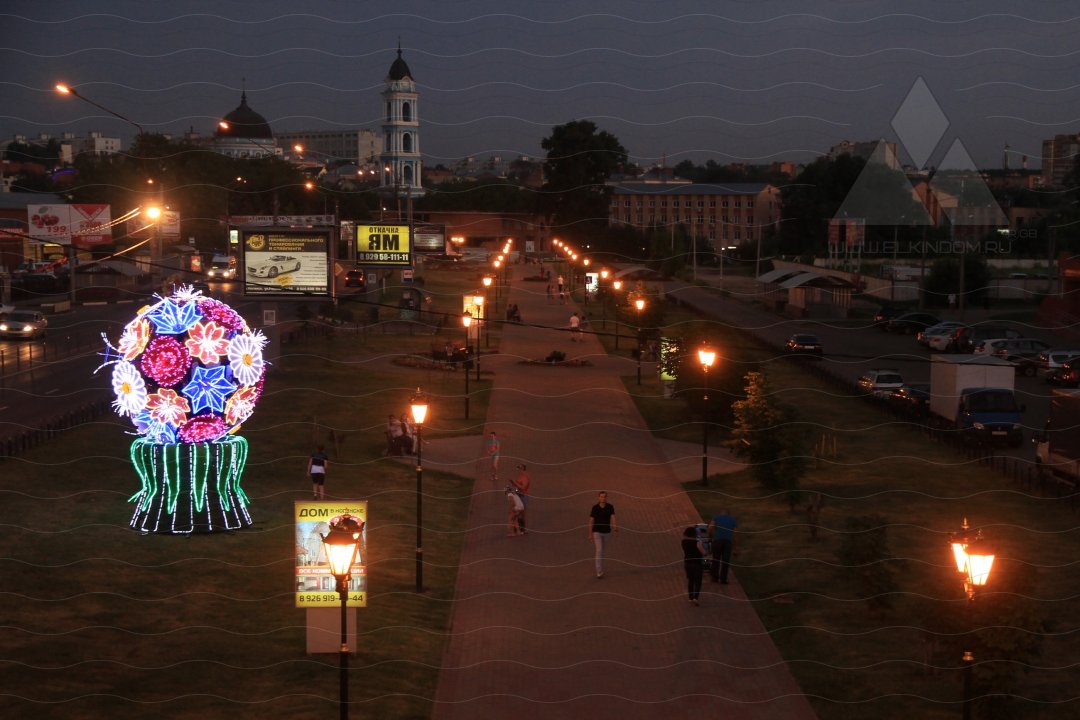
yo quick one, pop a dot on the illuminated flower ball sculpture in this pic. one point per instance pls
(188, 371)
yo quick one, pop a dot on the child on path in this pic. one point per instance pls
(514, 510)
(492, 446)
(316, 467)
(522, 483)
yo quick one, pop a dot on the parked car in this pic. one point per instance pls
(1046, 362)
(355, 278)
(802, 343)
(942, 341)
(911, 323)
(911, 399)
(887, 313)
(879, 382)
(965, 338)
(23, 324)
(274, 265)
(1014, 350)
(1068, 375)
(946, 327)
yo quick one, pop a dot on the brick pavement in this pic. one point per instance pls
(535, 634)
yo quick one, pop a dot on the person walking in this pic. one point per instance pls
(693, 563)
(575, 328)
(515, 507)
(492, 446)
(394, 433)
(316, 467)
(602, 525)
(721, 532)
(522, 483)
(550, 293)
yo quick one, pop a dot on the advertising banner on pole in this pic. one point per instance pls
(314, 585)
(281, 262)
(386, 245)
(81, 225)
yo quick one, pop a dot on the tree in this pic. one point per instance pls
(765, 435)
(580, 160)
(943, 279)
(864, 553)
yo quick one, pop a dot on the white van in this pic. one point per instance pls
(222, 267)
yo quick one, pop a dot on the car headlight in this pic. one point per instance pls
(3, 327)
(978, 426)
(1016, 426)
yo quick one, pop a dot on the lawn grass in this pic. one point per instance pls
(900, 660)
(100, 621)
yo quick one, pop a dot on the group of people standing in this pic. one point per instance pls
(718, 541)
(400, 436)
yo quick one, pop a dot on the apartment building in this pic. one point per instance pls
(725, 213)
(1059, 155)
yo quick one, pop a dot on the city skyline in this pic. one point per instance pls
(736, 83)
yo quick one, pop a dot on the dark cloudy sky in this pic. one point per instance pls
(727, 81)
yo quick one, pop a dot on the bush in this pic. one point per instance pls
(555, 356)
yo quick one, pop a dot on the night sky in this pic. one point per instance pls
(692, 79)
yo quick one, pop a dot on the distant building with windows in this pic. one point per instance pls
(1059, 155)
(723, 213)
(865, 150)
(333, 147)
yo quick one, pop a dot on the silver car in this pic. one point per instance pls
(23, 324)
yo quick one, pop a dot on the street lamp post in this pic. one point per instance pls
(65, 89)
(706, 356)
(487, 330)
(341, 545)
(481, 319)
(974, 560)
(602, 292)
(419, 407)
(466, 320)
(640, 305)
(616, 285)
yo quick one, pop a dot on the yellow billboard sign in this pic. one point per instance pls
(386, 245)
(314, 585)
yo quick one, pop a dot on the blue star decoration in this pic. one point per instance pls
(208, 388)
(170, 318)
(156, 431)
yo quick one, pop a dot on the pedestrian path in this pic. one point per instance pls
(535, 634)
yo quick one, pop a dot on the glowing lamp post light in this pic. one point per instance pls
(466, 321)
(341, 545)
(419, 408)
(616, 285)
(706, 356)
(974, 560)
(640, 305)
(481, 320)
(187, 372)
(487, 331)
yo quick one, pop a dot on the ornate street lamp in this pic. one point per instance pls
(640, 305)
(706, 356)
(487, 330)
(974, 560)
(466, 321)
(341, 545)
(419, 407)
(616, 285)
(481, 320)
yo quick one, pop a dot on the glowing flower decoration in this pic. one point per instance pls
(134, 339)
(187, 369)
(223, 315)
(206, 342)
(130, 389)
(202, 428)
(165, 406)
(240, 406)
(245, 358)
(173, 318)
(208, 388)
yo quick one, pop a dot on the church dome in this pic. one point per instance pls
(243, 122)
(399, 70)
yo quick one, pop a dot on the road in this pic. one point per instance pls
(851, 350)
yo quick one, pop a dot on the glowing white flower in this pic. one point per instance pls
(130, 389)
(246, 359)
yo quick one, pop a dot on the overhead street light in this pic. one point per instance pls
(65, 89)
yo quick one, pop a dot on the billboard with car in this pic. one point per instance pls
(286, 261)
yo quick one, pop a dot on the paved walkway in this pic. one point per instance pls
(535, 634)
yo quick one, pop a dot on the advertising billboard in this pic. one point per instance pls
(81, 225)
(314, 585)
(286, 261)
(385, 245)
